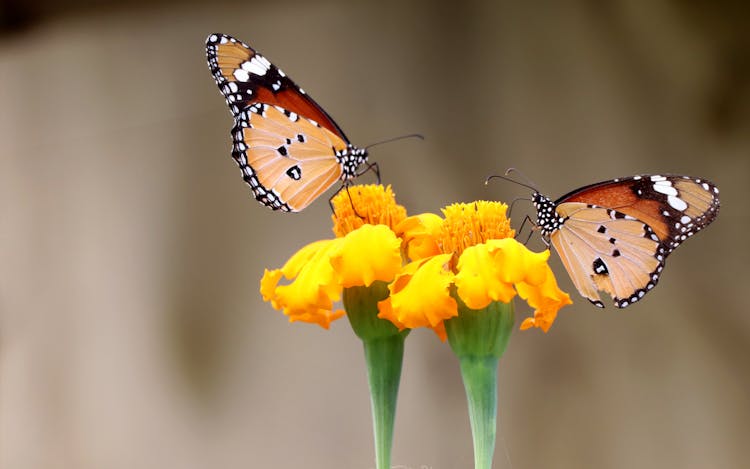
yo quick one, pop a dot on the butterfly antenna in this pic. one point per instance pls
(402, 137)
(527, 179)
(506, 178)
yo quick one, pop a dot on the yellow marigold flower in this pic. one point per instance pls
(355, 267)
(470, 254)
(365, 250)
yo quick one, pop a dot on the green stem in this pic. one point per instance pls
(480, 381)
(384, 353)
(384, 357)
(479, 338)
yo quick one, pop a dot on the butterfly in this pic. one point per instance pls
(288, 148)
(614, 236)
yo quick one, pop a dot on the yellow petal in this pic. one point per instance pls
(480, 278)
(268, 285)
(420, 295)
(546, 298)
(516, 263)
(300, 258)
(321, 317)
(419, 234)
(385, 311)
(369, 253)
(310, 296)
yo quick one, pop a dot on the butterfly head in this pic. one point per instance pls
(351, 158)
(546, 216)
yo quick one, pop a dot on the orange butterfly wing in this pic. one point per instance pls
(287, 160)
(675, 207)
(288, 148)
(614, 236)
(604, 250)
(244, 77)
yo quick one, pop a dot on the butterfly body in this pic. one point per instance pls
(288, 148)
(614, 236)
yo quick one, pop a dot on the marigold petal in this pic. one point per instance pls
(516, 263)
(479, 280)
(268, 285)
(419, 234)
(385, 311)
(300, 258)
(420, 295)
(367, 254)
(546, 298)
(321, 317)
(439, 329)
(310, 296)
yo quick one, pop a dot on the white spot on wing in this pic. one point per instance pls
(241, 75)
(665, 189)
(257, 65)
(677, 203)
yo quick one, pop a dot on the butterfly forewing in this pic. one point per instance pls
(675, 207)
(244, 77)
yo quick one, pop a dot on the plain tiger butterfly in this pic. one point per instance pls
(614, 236)
(288, 148)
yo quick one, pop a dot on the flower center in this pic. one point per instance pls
(467, 225)
(370, 204)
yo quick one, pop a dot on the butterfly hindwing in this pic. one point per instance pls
(293, 160)
(606, 250)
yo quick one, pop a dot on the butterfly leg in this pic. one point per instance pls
(371, 167)
(345, 187)
(534, 227)
(513, 202)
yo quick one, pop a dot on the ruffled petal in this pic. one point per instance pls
(420, 295)
(369, 253)
(546, 298)
(516, 263)
(479, 280)
(310, 296)
(268, 285)
(419, 234)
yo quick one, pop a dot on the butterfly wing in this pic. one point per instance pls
(288, 148)
(615, 235)
(286, 159)
(675, 207)
(606, 250)
(245, 77)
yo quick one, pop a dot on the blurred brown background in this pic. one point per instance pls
(132, 333)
